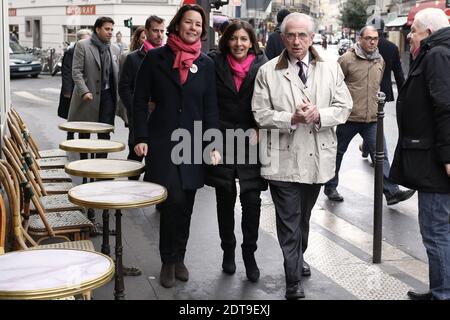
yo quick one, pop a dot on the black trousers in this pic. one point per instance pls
(251, 211)
(175, 221)
(107, 114)
(293, 204)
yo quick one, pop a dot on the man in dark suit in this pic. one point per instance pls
(274, 44)
(66, 73)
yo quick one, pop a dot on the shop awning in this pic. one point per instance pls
(440, 4)
(397, 22)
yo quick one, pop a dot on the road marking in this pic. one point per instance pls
(51, 90)
(30, 96)
(362, 279)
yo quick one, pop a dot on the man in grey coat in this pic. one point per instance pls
(95, 74)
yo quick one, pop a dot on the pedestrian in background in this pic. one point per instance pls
(152, 34)
(95, 74)
(363, 69)
(122, 46)
(237, 63)
(180, 80)
(422, 156)
(391, 56)
(66, 77)
(299, 98)
(275, 44)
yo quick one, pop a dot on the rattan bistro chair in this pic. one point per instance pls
(36, 151)
(2, 226)
(51, 203)
(49, 173)
(70, 225)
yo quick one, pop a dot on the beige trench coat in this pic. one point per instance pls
(306, 153)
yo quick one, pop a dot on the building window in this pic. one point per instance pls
(70, 32)
(28, 27)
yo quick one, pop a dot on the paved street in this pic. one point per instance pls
(340, 241)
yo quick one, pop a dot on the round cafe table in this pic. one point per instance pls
(52, 273)
(105, 169)
(118, 195)
(91, 146)
(86, 127)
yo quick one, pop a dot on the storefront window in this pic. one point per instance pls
(70, 32)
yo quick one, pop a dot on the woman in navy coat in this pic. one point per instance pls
(180, 81)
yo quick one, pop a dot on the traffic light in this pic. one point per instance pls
(128, 23)
(218, 3)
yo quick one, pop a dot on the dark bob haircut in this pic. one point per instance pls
(172, 28)
(101, 21)
(231, 29)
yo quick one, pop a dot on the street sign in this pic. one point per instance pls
(80, 10)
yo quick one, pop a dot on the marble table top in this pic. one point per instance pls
(104, 168)
(86, 127)
(92, 146)
(116, 194)
(52, 273)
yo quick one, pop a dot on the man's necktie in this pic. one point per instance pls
(301, 74)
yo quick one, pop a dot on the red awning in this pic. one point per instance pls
(189, 2)
(440, 4)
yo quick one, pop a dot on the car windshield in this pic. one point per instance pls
(16, 48)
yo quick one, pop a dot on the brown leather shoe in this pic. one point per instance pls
(167, 276)
(181, 272)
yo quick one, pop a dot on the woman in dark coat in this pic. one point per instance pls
(236, 67)
(180, 81)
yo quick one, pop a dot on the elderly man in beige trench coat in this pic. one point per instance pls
(300, 98)
(95, 74)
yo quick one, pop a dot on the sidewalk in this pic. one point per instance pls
(339, 251)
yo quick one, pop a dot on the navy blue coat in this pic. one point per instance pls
(177, 107)
(391, 57)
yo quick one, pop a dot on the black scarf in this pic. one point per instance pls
(105, 57)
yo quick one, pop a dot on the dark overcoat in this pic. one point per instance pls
(177, 107)
(235, 112)
(423, 117)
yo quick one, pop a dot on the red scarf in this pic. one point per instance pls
(185, 54)
(240, 68)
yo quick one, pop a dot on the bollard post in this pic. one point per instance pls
(378, 189)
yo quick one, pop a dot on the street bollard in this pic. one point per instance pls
(378, 189)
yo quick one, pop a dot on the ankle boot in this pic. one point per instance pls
(251, 268)
(181, 272)
(167, 276)
(228, 264)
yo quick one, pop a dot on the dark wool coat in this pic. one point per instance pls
(423, 116)
(235, 112)
(391, 57)
(177, 107)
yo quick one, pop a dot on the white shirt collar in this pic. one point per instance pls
(305, 60)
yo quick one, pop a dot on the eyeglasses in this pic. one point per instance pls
(292, 36)
(371, 39)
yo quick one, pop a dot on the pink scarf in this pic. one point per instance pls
(148, 46)
(240, 68)
(416, 52)
(185, 54)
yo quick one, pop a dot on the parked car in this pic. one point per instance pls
(22, 62)
(317, 38)
(344, 45)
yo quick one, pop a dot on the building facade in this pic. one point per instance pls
(51, 23)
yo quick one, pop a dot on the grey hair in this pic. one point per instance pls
(361, 32)
(298, 16)
(83, 32)
(431, 18)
